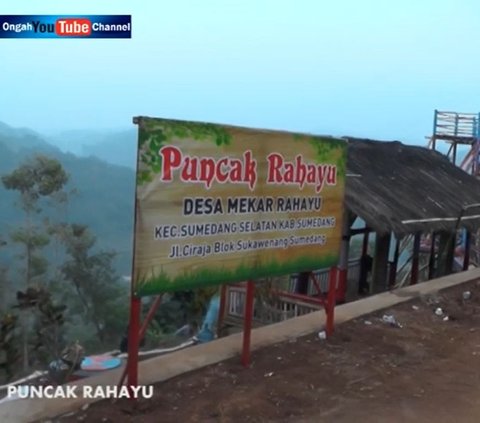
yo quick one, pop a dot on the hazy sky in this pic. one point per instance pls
(364, 68)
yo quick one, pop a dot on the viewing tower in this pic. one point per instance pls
(457, 129)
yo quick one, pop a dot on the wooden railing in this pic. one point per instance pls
(284, 305)
(456, 124)
(281, 308)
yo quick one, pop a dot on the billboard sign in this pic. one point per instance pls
(218, 204)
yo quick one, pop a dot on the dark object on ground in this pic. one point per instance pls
(70, 361)
(123, 347)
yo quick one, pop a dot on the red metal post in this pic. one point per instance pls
(331, 296)
(148, 318)
(247, 325)
(133, 341)
(221, 310)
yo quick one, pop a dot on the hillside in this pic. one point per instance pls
(118, 148)
(115, 147)
(105, 198)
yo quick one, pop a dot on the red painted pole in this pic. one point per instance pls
(331, 296)
(247, 323)
(221, 311)
(148, 318)
(133, 341)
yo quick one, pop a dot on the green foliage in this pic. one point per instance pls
(103, 200)
(154, 133)
(181, 308)
(30, 237)
(4, 286)
(32, 240)
(200, 300)
(155, 333)
(9, 346)
(47, 318)
(93, 301)
(36, 178)
(32, 330)
(328, 148)
(172, 314)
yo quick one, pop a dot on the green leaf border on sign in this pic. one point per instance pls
(203, 277)
(155, 133)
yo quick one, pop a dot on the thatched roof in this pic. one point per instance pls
(405, 189)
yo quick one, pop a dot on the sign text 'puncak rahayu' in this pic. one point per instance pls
(209, 170)
(219, 204)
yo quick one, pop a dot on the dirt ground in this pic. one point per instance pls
(427, 370)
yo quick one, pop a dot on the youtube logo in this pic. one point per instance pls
(76, 27)
(66, 26)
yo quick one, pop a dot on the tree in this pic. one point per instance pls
(46, 338)
(35, 179)
(49, 319)
(40, 177)
(102, 301)
(9, 354)
(45, 341)
(3, 281)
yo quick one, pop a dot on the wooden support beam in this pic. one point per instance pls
(394, 265)
(331, 295)
(247, 323)
(222, 308)
(445, 254)
(466, 257)
(365, 244)
(415, 259)
(303, 280)
(431, 262)
(348, 220)
(449, 150)
(360, 231)
(380, 264)
(365, 267)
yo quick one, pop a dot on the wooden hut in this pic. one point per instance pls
(404, 190)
